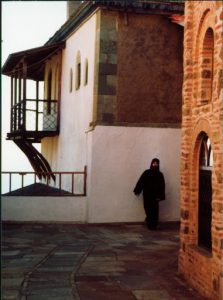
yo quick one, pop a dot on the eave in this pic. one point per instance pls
(34, 58)
(142, 7)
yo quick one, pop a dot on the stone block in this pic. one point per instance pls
(111, 80)
(112, 58)
(107, 69)
(104, 88)
(108, 46)
(108, 118)
(103, 58)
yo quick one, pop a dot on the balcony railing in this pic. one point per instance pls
(65, 184)
(34, 116)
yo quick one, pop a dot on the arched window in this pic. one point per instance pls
(86, 72)
(206, 67)
(205, 193)
(71, 81)
(78, 71)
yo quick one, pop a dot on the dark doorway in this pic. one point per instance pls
(205, 194)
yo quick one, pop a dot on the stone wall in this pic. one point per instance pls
(202, 114)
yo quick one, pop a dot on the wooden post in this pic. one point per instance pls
(37, 105)
(12, 102)
(24, 94)
(72, 183)
(10, 182)
(15, 101)
(15, 89)
(85, 180)
(60, 181)
(19, 101)
(22, 180)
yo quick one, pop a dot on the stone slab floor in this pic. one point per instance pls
(91, 262)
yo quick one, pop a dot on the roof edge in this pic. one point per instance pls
(88, 7)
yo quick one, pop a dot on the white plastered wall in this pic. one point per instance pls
(67, 152)
(118, 157)
(44, 209)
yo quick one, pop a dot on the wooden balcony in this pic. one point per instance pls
(34, 119)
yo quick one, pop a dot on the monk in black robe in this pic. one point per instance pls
(152, 184)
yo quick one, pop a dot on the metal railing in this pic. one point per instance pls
(65, 183)
(34, 115)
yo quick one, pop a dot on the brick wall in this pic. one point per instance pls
(140, 75)
(202, 113)
(150, 70)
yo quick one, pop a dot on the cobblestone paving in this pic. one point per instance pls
(91, 262)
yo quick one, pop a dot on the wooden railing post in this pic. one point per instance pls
(72, 189)
(60, 181)
(85, 180)
(10, 182)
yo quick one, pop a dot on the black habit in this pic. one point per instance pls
(152, 184)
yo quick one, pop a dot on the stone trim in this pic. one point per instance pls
(123, 124)
(107, 69)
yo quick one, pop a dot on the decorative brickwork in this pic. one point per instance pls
(202, 115)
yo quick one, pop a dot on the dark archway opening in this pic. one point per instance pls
(205, 194)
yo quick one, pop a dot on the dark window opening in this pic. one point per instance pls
(78, 76)
(71, 80)
(207, 66)
(86, 73)
(205, 194)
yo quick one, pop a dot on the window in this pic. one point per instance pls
(205, 193)
(86, 72)
(71, 81)
(206, 67)
(78, 71)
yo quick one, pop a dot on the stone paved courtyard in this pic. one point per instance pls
(91, 262)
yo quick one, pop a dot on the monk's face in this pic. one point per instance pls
(155, 165)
